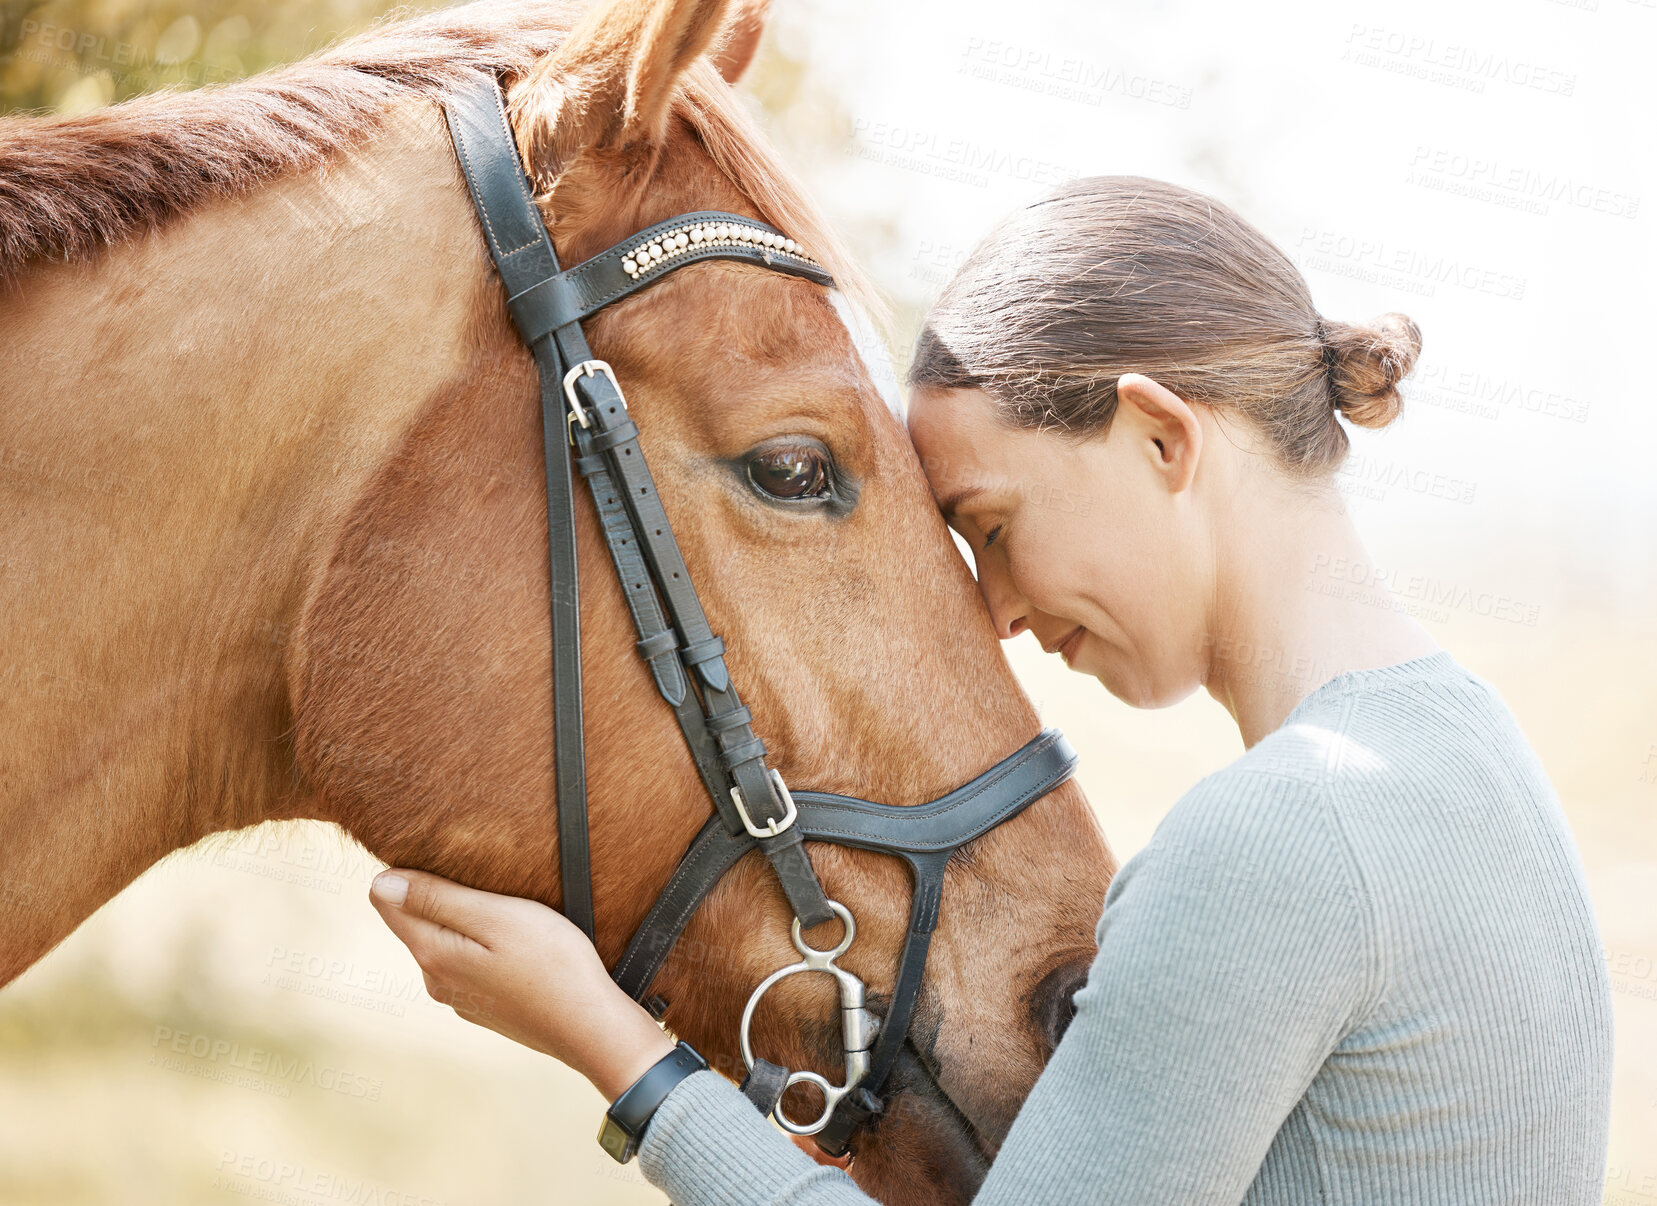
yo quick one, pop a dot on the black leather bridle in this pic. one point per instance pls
(582, 406)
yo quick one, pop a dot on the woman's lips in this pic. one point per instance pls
(1067, 647)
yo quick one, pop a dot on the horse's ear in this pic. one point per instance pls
(609, 87)
(741, 38)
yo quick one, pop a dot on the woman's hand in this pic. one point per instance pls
(524, 971)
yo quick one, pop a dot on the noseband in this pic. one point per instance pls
(582, 408)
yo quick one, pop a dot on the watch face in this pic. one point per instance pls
(613, 1139)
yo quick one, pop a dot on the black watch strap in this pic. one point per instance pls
(629, 1114)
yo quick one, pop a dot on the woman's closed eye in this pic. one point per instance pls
(991, 536)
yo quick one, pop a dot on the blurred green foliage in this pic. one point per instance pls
(69, 56)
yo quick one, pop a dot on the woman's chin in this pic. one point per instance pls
(1134, 685)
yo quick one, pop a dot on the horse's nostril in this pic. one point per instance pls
(1055, 1001)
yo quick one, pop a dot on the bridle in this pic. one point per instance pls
(582, 408)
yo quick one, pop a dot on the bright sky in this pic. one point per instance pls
(1489, 169)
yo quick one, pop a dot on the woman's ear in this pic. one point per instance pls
(1167, 425)
(609, 87)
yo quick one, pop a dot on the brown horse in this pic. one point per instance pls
(275, 544)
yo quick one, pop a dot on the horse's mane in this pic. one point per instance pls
(72, 186)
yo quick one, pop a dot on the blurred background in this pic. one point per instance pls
(238, 1024)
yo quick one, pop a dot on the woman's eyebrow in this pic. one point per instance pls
(949, 502)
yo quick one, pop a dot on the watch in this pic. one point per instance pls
(629, 1114)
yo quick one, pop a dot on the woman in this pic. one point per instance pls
(1359, 965)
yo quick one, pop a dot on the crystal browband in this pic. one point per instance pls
(670, 243)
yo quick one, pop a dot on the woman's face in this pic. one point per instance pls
(1097, 546)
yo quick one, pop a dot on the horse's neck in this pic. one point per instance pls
(183, 423)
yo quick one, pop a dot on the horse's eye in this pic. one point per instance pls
(794, 473)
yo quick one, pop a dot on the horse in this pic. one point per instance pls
(275, 540)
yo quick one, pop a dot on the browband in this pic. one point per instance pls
(582, 291)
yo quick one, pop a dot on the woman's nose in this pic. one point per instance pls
(1009, 611)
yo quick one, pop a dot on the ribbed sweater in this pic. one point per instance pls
(1357, 966)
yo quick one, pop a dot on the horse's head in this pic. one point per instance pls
(853, 628)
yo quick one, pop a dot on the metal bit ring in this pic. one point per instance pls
(857, 1026)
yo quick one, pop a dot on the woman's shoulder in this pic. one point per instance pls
(1421, 743)
(1369, 734)
(1376, 777)
(1283, 813)
(1261, 830)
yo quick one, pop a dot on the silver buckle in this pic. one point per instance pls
(586, 369)
(772, 827)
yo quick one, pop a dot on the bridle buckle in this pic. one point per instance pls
(588, 368)
(772, 826)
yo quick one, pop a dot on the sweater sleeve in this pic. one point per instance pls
(1235, 951)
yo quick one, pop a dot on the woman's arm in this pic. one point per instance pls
(1234, 952)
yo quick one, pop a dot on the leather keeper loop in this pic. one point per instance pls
(620, 434)
(742, 751)
(545, 306)
(703, 651)
(656, 644)
(589, 465)
(734, 719)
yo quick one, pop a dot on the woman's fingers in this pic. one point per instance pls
(432, 898)
(428, 941)
(517, 967)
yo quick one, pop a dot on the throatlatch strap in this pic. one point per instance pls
(523, 254)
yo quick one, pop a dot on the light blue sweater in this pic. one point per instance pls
(1357, 966)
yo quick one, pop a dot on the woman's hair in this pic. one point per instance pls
(1118, 274)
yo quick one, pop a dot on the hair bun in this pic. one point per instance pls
(1368, 362)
